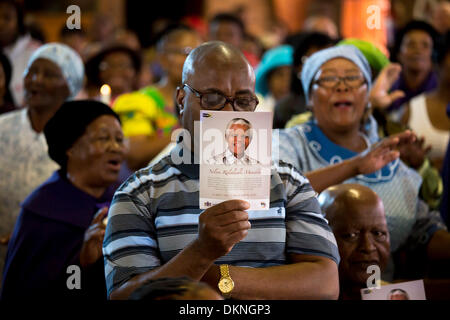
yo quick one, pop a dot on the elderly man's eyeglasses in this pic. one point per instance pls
(217, 101)
(331, 82)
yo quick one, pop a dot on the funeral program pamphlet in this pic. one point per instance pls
(235, 158)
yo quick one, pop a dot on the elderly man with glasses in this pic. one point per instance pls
(156, 228)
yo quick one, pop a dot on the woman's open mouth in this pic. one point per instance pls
(343, 104)
(114, 164)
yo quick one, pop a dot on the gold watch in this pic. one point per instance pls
(226, 284)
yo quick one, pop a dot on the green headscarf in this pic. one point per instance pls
(374, 56)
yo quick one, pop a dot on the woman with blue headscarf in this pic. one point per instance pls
(340, 137)
(54, 73)
(273, 76)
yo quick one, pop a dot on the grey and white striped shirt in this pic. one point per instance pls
(154, 215)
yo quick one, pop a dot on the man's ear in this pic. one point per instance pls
(180, 100)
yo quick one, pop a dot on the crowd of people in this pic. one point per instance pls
(360, 173)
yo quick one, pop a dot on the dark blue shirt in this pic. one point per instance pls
(47, 239)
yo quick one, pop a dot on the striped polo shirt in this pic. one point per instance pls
(154, 215)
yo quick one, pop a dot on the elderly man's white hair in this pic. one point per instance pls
(240, 121)
(225, 53)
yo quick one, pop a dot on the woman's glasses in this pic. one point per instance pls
(331, 82)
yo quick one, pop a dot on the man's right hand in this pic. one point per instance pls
(221, 227)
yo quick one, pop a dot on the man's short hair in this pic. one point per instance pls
(242, 121)
(228, 18)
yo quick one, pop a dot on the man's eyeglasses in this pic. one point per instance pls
(331, 82)
(217, 101)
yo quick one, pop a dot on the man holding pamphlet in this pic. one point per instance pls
(156, 227)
